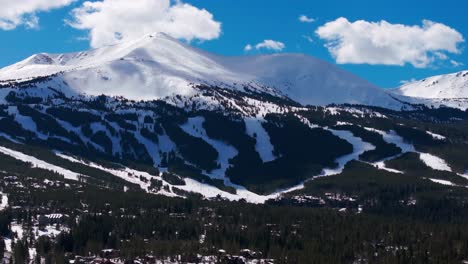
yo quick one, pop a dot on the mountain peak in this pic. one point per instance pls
(157, 65)
(447, 86)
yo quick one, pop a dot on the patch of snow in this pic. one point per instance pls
(165, 144)
(393, 138)
(434, 162)
(340, 123)
(464, 175)
(263, 146)
(443, 182)
(381, 165)
(3, 93)
(18, 229)
(8, 244)
(436, 136)
(151, 147)
(4, 202)
(48, 230)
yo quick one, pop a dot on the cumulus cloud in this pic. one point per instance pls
(306, 19)
(363, 42)
(267, 44)
(14, 13)
(248, 47)
(110, 21)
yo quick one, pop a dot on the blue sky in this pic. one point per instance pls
(251, 22)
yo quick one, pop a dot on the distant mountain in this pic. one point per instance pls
(448, 86)
(156, 66)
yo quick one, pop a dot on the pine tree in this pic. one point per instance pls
(2, 248)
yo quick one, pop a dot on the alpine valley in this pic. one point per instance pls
(170, 153)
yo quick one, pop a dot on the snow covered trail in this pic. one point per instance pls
(381, 165)
(359, 147)
(434, 162)
(191, 185)
(194, 127)
(443, 182)
(127, 174)
(428, 159)
(393, 138)
(263, 146)
(435, 136)
(69, 175)
(464, 175)
(26, 122)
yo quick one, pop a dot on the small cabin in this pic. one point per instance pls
(51, 219)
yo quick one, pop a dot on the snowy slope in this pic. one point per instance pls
(452, 86)
(156, 66)
(37, 163)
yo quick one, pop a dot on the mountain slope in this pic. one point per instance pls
(233, 127)
(156, 66)
(448, 86)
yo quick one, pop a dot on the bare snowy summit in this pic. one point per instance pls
(448, 86)
(156, 66)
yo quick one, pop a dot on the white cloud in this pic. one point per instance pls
(306, 19)
(308, 38)
(389, 44)
(14, 13)
(110, 21)
(270, 45)
(267, 44)
(404, 82)
(456, 63)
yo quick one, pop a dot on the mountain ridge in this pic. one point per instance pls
(156, 66)
(444, 86)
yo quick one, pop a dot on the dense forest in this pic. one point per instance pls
(131, 200)
(133, 225)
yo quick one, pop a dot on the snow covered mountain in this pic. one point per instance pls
(156, 66)
(453, 86)
(157, 115)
